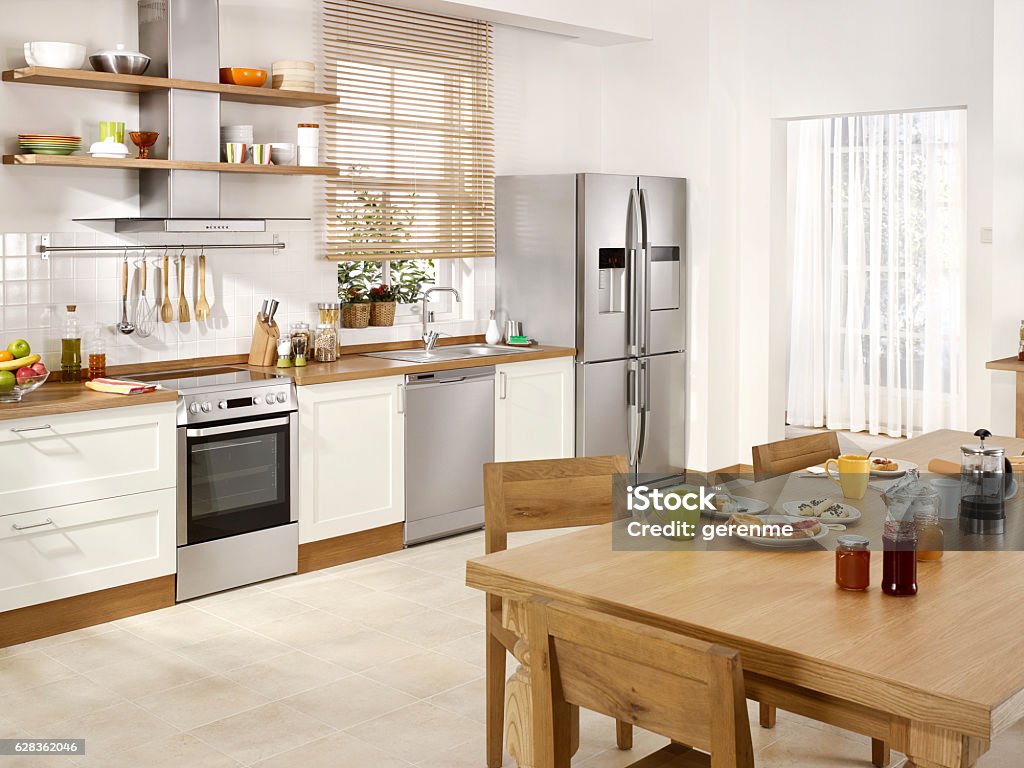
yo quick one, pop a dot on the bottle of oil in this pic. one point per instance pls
(71, 347)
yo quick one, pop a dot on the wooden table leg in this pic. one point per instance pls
(518, 704)
(880, 753)
(928, 746)
(766, 714)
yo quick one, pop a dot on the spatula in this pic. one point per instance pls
(184, 316)
(202, 305)
(166, 308)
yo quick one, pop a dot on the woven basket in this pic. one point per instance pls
(382, 313)
(355, 315)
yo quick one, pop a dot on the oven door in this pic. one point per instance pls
(235, 478)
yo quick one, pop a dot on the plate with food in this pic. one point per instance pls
(824, 510)
(885, 467)
(726, 504)
(767, 530)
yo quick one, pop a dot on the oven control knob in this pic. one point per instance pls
(223, 404)
(281, 397)
(207, 407)
(270, 399)
(194, 408)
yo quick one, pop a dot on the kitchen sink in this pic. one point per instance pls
(443, 354)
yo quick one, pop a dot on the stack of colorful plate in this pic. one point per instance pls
(48, 144)
(294, 75)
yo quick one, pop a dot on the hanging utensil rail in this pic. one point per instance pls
(45, 250)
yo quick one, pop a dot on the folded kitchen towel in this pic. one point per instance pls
(119, 386)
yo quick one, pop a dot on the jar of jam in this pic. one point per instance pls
(899, 559)
(853, 563)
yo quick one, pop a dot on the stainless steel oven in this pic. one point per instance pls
(237, 478)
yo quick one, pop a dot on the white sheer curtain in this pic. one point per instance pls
(878, 250)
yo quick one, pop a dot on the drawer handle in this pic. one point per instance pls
(31, 429)
(47, 521)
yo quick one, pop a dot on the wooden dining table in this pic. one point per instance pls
(938, 676)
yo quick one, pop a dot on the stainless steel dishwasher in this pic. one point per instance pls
(449, 436)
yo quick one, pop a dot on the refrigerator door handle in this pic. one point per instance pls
(643, 407)
(634, 275)
(644, 282)
(633, 414)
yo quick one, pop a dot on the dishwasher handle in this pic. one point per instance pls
(439, 378)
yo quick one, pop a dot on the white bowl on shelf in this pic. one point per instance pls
(57, 55)
(282, 153)
(109, 149)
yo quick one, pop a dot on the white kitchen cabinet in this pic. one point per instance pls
(53, 461)
(351, 457)
(49, 554)
(534, 410)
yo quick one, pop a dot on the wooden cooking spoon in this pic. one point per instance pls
(184, 316)
(202, 305)
(166, 309)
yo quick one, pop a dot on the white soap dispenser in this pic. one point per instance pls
(493, 335)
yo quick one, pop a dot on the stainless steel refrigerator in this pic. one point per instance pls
(597, 261)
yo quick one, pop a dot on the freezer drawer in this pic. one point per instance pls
(449, 436)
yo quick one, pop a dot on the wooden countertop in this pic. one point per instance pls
(1006, 364)
(354, 367)
(56, 398)
(53, 399)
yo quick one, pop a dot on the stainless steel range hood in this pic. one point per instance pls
(182, 37)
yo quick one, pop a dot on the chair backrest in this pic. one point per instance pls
(792, 455)
(690, 691)
(551, 493)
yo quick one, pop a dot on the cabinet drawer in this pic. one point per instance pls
(60, 460)
(64, 551)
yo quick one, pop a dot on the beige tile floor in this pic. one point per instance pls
(377, 664)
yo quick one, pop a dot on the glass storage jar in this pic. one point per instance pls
(325, 347)
(853, 563)
(302, 342)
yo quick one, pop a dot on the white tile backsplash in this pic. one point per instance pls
(35, 292)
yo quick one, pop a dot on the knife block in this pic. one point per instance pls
(263, 350)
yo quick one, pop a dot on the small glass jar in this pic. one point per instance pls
(853, 563)
(329, 311)
(301, 342)
(930, 538)
(325, 347)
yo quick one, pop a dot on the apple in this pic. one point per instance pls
(7, 381)
(39, 368)
(24, 375)
(19, 348)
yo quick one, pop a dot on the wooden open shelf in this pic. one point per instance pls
(134, 164)
(104, 81)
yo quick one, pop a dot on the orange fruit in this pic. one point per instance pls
(5, 356)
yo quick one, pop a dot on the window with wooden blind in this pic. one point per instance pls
(412, 134)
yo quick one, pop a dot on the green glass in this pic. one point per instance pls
(110, 129)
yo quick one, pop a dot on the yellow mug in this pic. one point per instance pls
(853, 471)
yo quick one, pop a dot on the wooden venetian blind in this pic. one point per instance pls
(412, 134)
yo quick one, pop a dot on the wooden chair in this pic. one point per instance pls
(687, 690)
(781, 458)
(792, 455)
(531, 496)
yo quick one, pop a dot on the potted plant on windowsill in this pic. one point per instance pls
(382, 306)
(355, 309)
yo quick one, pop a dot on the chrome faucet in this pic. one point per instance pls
(430, 337)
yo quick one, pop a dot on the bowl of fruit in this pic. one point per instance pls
(21, 372)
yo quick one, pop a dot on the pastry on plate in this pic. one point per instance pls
(881, 464)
